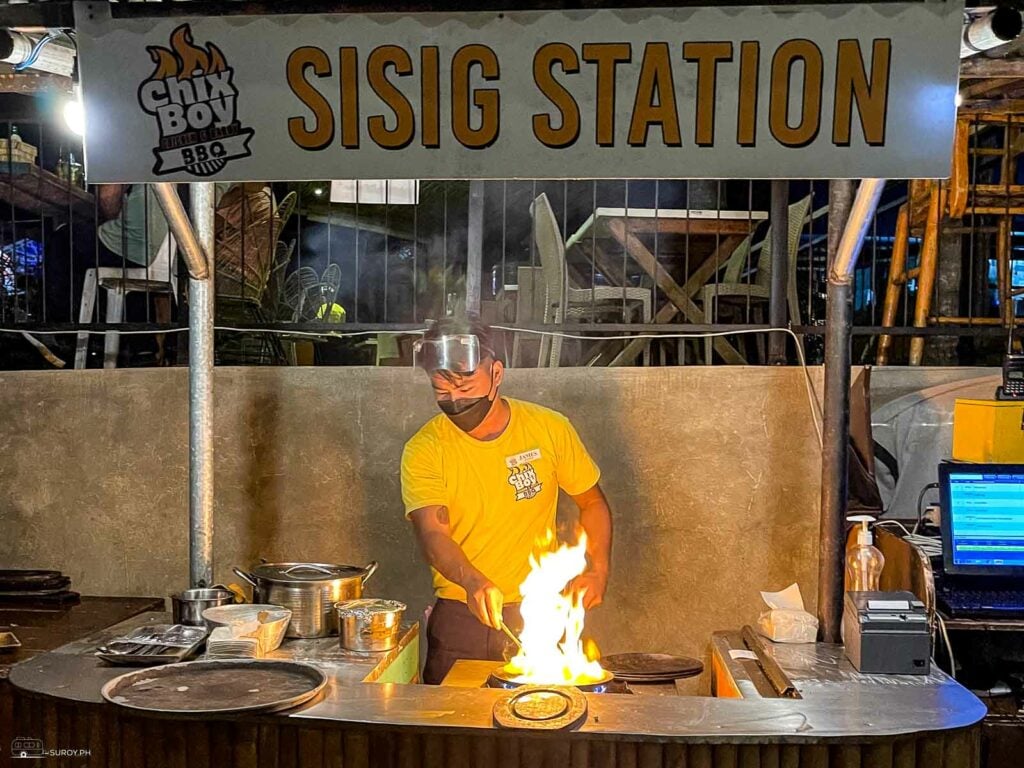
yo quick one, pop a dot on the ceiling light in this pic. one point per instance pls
(74, 113)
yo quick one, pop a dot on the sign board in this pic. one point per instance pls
(826, 91)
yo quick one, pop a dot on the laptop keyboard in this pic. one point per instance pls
(965, 603)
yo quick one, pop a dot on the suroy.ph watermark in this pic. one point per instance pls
(27, 747)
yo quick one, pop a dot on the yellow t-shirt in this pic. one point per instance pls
(501, 494)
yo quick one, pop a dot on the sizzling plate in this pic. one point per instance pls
(205, 687)
(22, 577)
(541, 708)
(651, 667)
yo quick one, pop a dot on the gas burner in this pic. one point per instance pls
(501, 678)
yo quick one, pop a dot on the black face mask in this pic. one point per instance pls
(467, 413)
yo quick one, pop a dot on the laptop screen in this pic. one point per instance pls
(983, 509)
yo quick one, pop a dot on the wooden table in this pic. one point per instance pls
(43, 629)
(705, 238)
(30, 188)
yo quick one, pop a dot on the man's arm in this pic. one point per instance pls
(596, 521)
(434, 534)
(109, 199)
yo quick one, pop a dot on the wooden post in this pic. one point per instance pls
(896, 280)
(926, 275)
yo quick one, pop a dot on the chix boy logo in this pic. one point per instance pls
(194, 101)
(522, 474)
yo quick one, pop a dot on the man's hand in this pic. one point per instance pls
(485, 601)
(596, 521)
(482, 596)
(588, 588)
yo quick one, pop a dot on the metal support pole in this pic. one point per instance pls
(851, 217)
(475, 247)
(181, 228)
(196, 246)
(778, 291)
(200, 395)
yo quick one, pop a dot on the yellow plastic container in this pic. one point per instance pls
(988, 431)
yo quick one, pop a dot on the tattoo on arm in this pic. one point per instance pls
(442, 515)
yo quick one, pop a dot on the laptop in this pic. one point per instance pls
(982, 540)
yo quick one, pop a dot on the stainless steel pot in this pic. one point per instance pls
(309, 590)
(187, 607)
(369, 626)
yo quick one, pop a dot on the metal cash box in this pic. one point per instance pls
(887, 633)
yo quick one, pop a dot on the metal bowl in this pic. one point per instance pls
(187, 607)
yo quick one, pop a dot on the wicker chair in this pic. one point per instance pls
(246, 242)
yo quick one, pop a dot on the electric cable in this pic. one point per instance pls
(36, 49)
(931, 546)
(949, 645)
(920, 498)
(812, 397)
(185, 329)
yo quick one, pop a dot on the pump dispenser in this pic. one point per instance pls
(864, 562)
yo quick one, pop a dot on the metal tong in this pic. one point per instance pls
(511, 636)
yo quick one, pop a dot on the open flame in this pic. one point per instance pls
(184, 58)
(553, 653)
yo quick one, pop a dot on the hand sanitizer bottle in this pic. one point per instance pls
(864, 562)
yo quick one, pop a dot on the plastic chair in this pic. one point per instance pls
(563, 301)
(159, 277)
(759, 290)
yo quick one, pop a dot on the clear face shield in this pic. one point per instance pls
(455, 354)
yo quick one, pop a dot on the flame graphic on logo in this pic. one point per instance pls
(186, 59)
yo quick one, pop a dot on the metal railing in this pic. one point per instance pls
(294, 269)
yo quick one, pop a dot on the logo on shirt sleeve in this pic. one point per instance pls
(523, 475)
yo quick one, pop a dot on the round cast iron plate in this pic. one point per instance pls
(541, 708)
(228, 685)
(651, 667)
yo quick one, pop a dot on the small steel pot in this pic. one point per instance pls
(309, 590)
(187, 607)
(369, 626)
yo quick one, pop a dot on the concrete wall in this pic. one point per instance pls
(890, 382)
(713, 476)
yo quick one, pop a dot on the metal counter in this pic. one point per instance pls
(843, 719)
(837, 702)
(73, 673)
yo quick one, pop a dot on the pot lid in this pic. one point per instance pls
(307, 572)
(367, 606)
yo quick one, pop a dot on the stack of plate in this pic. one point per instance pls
(35, 587)
(222, 645)
(651, 667)
(272, 619)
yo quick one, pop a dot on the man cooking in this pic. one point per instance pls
(480, 483)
